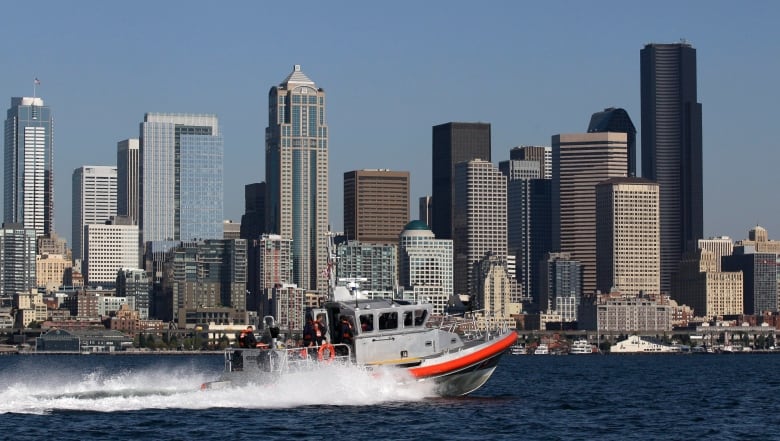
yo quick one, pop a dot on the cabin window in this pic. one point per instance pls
(419, 317)
(366, 322)
(388, 320)
(407, 319)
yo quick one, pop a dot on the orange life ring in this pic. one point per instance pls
(321, 352)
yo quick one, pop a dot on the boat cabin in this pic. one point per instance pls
(383, 331)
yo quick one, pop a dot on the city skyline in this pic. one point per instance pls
(457, 63)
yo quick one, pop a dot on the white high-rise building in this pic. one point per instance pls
(628, 241)
(425, 265)
(479, 219)
(109, 248)
(94, 201)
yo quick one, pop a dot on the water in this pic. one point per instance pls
(529, 397)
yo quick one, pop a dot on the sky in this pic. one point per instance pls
(391, 71)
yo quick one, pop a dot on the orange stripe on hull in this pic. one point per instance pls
(465, 361)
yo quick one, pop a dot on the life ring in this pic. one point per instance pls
(321, 353)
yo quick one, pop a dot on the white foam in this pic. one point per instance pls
(161, 389)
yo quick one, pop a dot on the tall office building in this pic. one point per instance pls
(453, 142)
(376, 262)
(134, 282)
(205, 278)
(528, 220)
(534, 153)
(29, 165)
(617, 120)
(628, 258)
(580, 161)
(425, 265)
(479, 223)
(181, 177)
(253, 219)
(128, 169)
(701, 285)
(376, 205)
(17, 259)
(758, 240)
(672, 147)
(94, 194)
(719, 246)
(561, 285)
(296, 175)
(269, 265)
(761, 271)
(109, 247)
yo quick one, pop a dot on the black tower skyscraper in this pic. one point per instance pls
(453, 142)
(672, 147)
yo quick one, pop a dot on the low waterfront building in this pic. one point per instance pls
(94, 340)
(618, 312)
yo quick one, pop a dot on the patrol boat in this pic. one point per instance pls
(456, 353)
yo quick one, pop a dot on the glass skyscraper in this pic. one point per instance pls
(296, 174)
(29, 165)
(182, 177)
(672, 147)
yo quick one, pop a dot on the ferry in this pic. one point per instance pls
(635, 344)
(542, 349)
(455, 353)
(517, 349)
(581, 347)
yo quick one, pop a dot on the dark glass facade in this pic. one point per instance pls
(672, 147)
(617, 120)
(453, 142)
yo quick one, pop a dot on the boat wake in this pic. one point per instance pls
(180, 389)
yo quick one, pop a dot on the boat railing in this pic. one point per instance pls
(286, 359)
(472, 325)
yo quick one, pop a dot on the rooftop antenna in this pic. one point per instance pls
(36, 83)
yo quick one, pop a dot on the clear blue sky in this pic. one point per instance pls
(392, 70)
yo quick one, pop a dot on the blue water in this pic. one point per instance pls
(529, 397)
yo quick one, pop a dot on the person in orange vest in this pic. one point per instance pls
(242, 339)
(309, 333)
(320, 330)
(345, 330)
(251, 341)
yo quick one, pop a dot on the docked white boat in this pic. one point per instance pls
(517, 349)
(635, 344)
(542, 349)
(580, 347)
(455, 354)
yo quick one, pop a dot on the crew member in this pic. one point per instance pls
(249, 338)
(345, 330)
(309, 333)
(319, 331)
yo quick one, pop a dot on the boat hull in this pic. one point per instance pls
(465, 371)
(454, 373)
